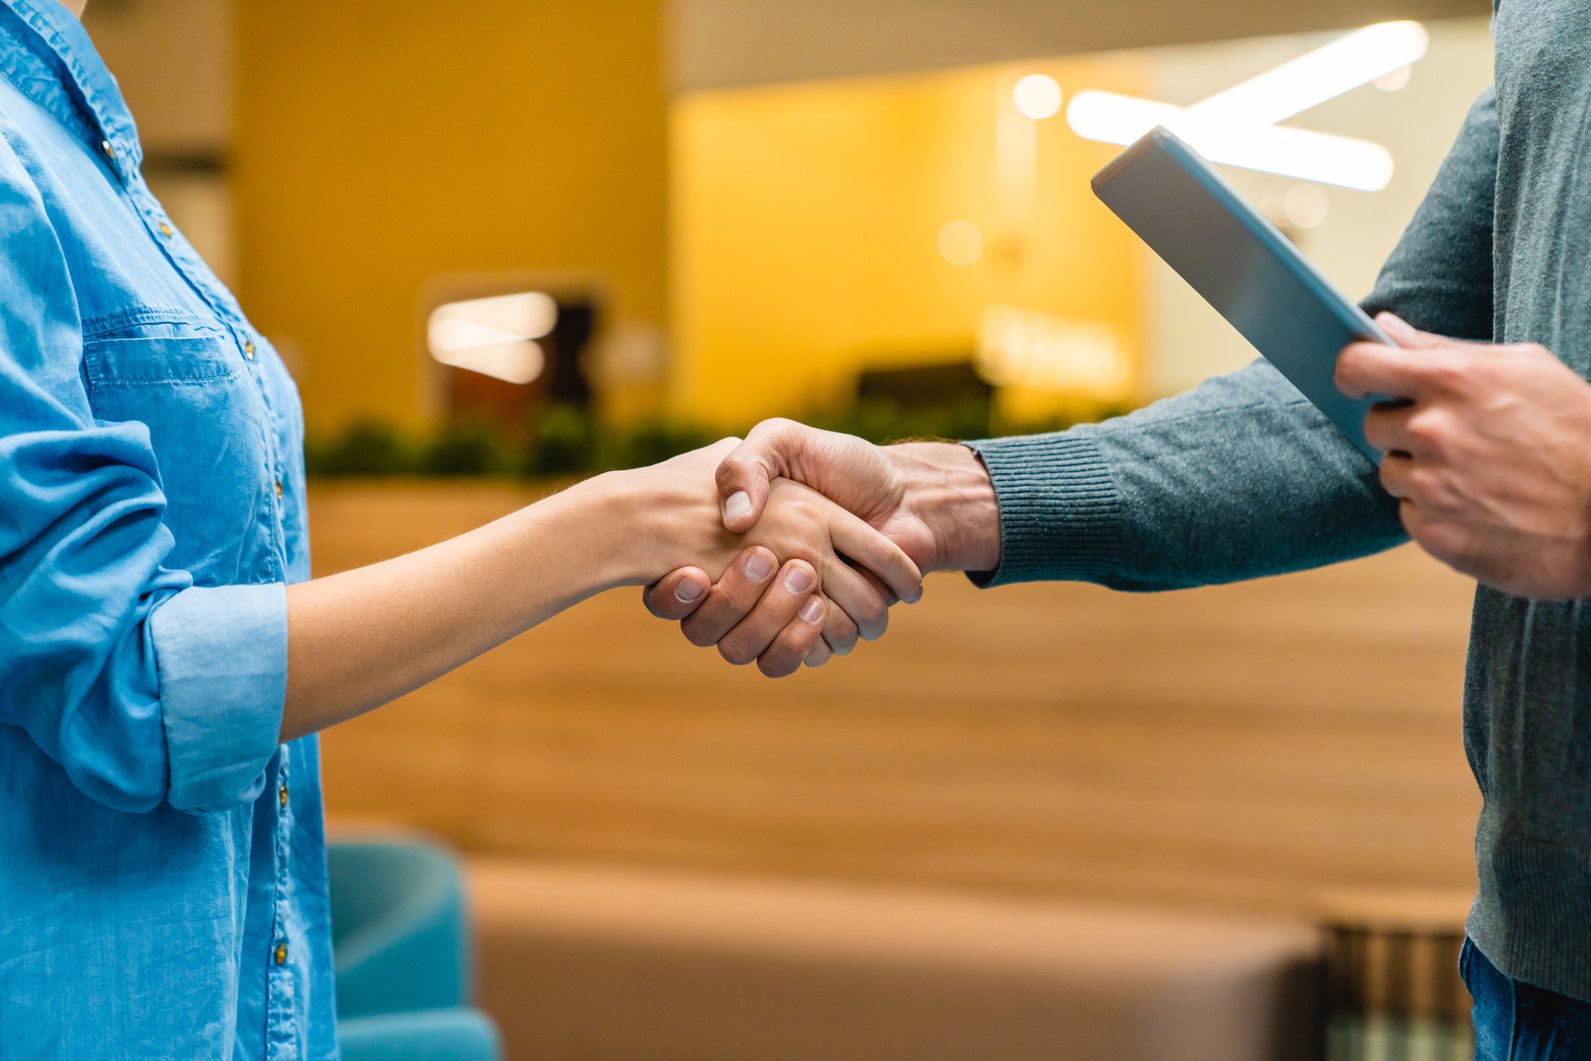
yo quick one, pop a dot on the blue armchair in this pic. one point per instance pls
(400, 939)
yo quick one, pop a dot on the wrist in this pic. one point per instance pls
(949, 490)
(608, 513)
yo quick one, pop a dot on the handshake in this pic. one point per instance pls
(820, 534)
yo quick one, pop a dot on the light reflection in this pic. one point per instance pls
(494, 336)
(1030, 348)
(1037, 96)
(960, 243)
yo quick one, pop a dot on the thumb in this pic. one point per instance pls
(678, 593)
(1405, 334)
(743, 476)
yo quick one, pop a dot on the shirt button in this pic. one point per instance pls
(110, 152)
(165, 229)
(281, 954)
(248, 349)
(284, 784)
(278, 496)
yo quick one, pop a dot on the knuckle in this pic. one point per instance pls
(771, 430)
(840, 620)
(873, 613)
(741, 594)
(784, 656)
(777, 667)
(734, 653)
(732, 468)
(1456, 376)
(876, 626)
(1430, 429)
(697, 634)
(1421, 483)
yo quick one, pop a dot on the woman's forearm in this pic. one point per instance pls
(361, 638)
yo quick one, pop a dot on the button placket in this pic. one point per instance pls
(279, 1000)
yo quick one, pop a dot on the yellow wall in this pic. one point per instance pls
(380, 143)
(805, 220)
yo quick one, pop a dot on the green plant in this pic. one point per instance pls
(564, 442)
(650, 443)
(465, 449)
(882, 421)
(568, 440)
(368, 447)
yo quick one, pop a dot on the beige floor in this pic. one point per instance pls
(1242, 747)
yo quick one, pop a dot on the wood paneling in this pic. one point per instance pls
(1242, 746)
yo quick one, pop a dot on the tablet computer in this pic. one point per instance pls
(1243, 266)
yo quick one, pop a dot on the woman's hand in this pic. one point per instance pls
(822, 565)
(360, 638)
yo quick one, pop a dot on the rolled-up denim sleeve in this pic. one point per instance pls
(222, 654)
(142, 686)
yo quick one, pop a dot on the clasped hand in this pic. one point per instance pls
(1488, 453)
(933, 500)
(824, 577)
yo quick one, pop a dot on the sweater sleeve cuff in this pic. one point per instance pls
(222, 654)
(1060, 509)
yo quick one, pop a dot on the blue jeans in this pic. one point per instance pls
(1516, 1021)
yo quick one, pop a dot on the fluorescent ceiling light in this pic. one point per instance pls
(1300, 153)
(526, 315)
(494, 336)
(1320, 75)
(514, 360)
(1237, 127)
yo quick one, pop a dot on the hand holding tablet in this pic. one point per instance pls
(1244, 267)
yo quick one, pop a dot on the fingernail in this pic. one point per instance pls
(798, 581)
(758, 567)
(688, 590)
(812, 610)
(738, 505)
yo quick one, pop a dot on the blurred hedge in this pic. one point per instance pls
(570, 441)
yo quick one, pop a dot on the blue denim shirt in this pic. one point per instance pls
(162, 864)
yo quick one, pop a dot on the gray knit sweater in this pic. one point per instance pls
(1242, 477)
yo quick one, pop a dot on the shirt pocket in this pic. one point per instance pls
(131, 361)
(209, 429)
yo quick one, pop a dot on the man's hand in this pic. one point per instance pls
(1490, 456)
(934, 499)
